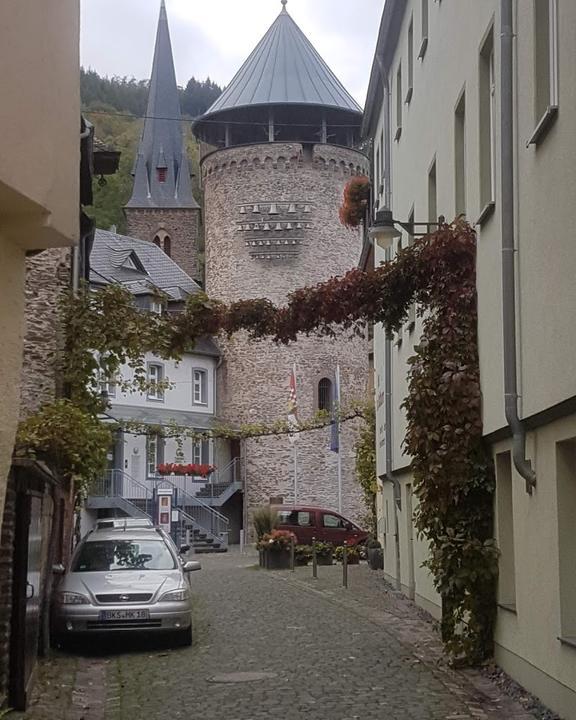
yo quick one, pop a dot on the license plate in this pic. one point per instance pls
(124, 615)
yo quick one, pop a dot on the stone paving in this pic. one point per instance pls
(292, 647)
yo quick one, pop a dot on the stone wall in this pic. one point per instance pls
(47, 278)
(183, 227)
(272, 226)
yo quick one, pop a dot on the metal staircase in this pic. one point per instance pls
(204, 527)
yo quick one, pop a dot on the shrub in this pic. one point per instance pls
(353, 553)
(265, 520)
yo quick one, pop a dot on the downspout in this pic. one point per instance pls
(521, 463)
(388, 341)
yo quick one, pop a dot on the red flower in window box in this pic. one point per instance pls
(203, 470)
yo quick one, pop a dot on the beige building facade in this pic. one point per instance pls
(39, 168)
(437, 116)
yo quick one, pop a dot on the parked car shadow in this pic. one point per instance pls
(117, 644)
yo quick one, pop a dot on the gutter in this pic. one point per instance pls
(521, 463)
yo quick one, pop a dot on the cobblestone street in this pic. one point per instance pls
(317, 651)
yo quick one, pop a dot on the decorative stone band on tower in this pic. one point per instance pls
(272, 226)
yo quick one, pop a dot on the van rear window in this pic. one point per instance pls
(300, 518)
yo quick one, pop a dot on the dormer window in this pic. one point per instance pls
(161, 171)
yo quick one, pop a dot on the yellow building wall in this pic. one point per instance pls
(39, 168)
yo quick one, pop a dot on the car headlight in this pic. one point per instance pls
(176, 595)
(70, 598)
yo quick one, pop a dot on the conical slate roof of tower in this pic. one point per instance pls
(161, 170)
(284, 69)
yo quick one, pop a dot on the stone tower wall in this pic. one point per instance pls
(183, 227)
(261, 202)
(47, 279)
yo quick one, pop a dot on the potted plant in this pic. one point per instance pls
(324, 553)
(352, 554)
(302, 554)
(374, 554)
(355, 201)
(275, 550)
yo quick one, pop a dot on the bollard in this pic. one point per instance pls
(314, 559)
(345, 565)
(292, 553)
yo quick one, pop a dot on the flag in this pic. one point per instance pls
(335, 429)
(292, 405)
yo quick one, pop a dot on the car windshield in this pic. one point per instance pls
(108, 555)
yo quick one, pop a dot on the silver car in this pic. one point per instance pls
(128, 579)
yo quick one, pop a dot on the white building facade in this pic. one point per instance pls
(472, 109)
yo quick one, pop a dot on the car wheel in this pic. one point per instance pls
(184, 637)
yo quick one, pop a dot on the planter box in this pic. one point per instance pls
(276, 559)
(324, 559)
(301, 561)
(375, 557)
(353, 560)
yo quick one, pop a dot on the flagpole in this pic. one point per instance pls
(293, 421)
(295, 474)
(339, 446)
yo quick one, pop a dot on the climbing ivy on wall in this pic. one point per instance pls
(453, 475)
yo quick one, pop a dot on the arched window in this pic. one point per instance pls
(164, 242)
(325, 394)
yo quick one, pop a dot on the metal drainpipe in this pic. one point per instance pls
(521, 463)
(388, 341)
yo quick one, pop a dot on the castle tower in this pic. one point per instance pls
(278, 148)
(162, 208)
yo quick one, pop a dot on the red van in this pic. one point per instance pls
(324, 525)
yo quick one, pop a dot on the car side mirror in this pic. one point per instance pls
(191, 566)
(184, 549)
(58, 569)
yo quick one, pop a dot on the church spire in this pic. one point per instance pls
(161, 171)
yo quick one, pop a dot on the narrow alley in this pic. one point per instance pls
(276, 644)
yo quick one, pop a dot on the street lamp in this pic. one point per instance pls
(384, 230)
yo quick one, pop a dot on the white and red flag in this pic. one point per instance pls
(293, 405)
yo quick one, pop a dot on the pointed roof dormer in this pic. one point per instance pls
(161, 169)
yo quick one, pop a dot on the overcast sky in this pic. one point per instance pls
(213, 37)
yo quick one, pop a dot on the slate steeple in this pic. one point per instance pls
(161, 170)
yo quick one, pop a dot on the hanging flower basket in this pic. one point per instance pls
(190, 469)
(355, 202)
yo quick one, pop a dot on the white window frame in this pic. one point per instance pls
(200, 387)
(155, 376)
(410, 73)
(492, 71)
(425, 26)
(156, 306)
(108, 386)
(152, 454)
(399, 103)
(546, 118)
(197, 448)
